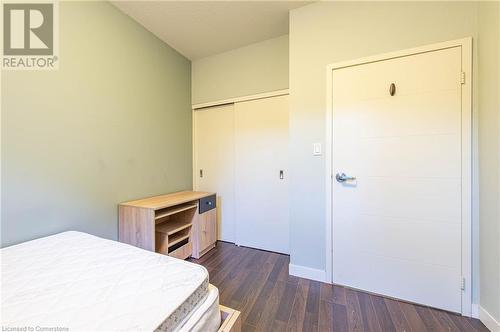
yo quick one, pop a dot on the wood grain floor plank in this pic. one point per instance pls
(383, 316)
(339, 295)
(325, 316)
(312, 304)
(256, 287)
(397, 316)
(248, 328)
(256, 282)
(476, 323)
(468, 324)
(270, 262)
(270, 308)
(235, 278)
(260, 262)
(311, 322)
(340, 318)
(412, 317)
(241, 292)
(222, 270)
(280, 263)
(461, 324)
(326, 292)
(278, 326)
(256, 258)
(285, 308)
(250, 293)
(311, 317)
(296, 321)
(284, 275)
(427, 317)
(224, 257)
(232, 282)
(354, 317)
(257, 308)
(370, 320)
(444, 320)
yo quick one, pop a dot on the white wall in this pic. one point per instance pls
(324, 33)
(256, 68)
(489, 166)
(328, 32)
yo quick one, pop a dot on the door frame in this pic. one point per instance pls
(467, 161)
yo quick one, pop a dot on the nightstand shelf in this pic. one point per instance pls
(160, 214)
(172, 227)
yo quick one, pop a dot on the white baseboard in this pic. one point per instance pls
(307, 272)
(488, 320)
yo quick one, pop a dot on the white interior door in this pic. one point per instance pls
(214, 162)
(397, 226)
(261, 128)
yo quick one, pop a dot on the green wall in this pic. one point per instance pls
(112, 124)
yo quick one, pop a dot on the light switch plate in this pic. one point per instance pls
(317, 149)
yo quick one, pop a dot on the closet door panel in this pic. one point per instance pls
(214, 163)
(261, 179)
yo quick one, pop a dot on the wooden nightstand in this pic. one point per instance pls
(180, 224)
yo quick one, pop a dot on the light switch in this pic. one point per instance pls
(317, 149)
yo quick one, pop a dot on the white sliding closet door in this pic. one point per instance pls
(214, 163)
(261, 153)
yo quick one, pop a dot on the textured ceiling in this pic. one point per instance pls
(197, 29)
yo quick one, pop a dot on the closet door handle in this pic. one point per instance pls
(282, 176)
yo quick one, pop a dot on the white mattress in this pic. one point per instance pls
(81, 282)
(207, 316)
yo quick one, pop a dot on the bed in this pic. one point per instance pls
(79, 282)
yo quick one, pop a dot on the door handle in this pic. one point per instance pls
(282, 175)
(343, 177)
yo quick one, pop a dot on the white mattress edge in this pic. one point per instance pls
(206, 317)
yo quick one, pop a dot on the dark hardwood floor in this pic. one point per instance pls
(257, 283)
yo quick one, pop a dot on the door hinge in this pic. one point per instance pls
(462, 286)
(462, 77)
